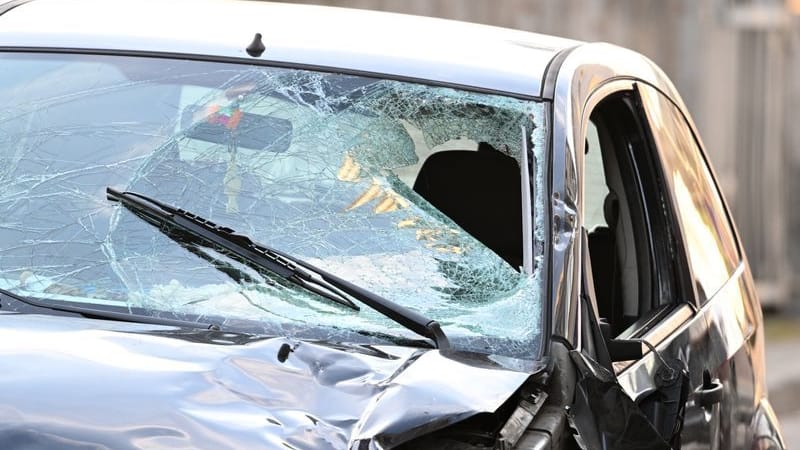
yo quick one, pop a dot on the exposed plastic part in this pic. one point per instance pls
(603, 415)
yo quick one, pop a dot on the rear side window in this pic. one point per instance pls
(707, 233)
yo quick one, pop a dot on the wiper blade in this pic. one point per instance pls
(182, 225)
(93, 313)
(175, 222)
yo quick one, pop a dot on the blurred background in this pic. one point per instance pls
(737, 65)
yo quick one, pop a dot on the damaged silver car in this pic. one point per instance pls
(251, 225)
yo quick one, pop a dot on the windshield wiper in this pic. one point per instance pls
(182, 225)
(93, 313)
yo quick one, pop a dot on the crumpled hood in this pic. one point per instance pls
(73, 383)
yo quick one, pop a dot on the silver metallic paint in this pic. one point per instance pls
(439, 50)
(72, 383)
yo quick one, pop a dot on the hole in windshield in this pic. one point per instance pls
(408, 190)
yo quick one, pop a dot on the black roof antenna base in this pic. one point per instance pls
(256, 47)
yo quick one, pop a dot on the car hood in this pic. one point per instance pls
(78, 383)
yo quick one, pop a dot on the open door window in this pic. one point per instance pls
(630, 235)
(634, 291)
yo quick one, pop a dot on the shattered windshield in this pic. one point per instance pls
(393, 186)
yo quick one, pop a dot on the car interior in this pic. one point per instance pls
(628, 279)
(480, 191)
(633, 273)
(617, 243)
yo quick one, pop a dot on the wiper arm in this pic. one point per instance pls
(183, 226)
(93, 313)
(173, 221)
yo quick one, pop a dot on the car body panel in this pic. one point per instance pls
(765, 427)
(199, 389)
(732, 344)
(712, 340)
(444, 51)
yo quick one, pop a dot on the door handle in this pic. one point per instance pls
(710, 393)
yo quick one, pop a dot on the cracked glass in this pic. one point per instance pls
(318, 165)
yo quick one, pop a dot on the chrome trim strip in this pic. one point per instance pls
(527, 205)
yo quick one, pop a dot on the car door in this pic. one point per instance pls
(724, 404)
(642, 249)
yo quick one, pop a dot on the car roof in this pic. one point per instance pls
(411, 47)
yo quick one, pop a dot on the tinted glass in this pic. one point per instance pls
(707, 233)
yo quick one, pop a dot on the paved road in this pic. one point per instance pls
(783, 382)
